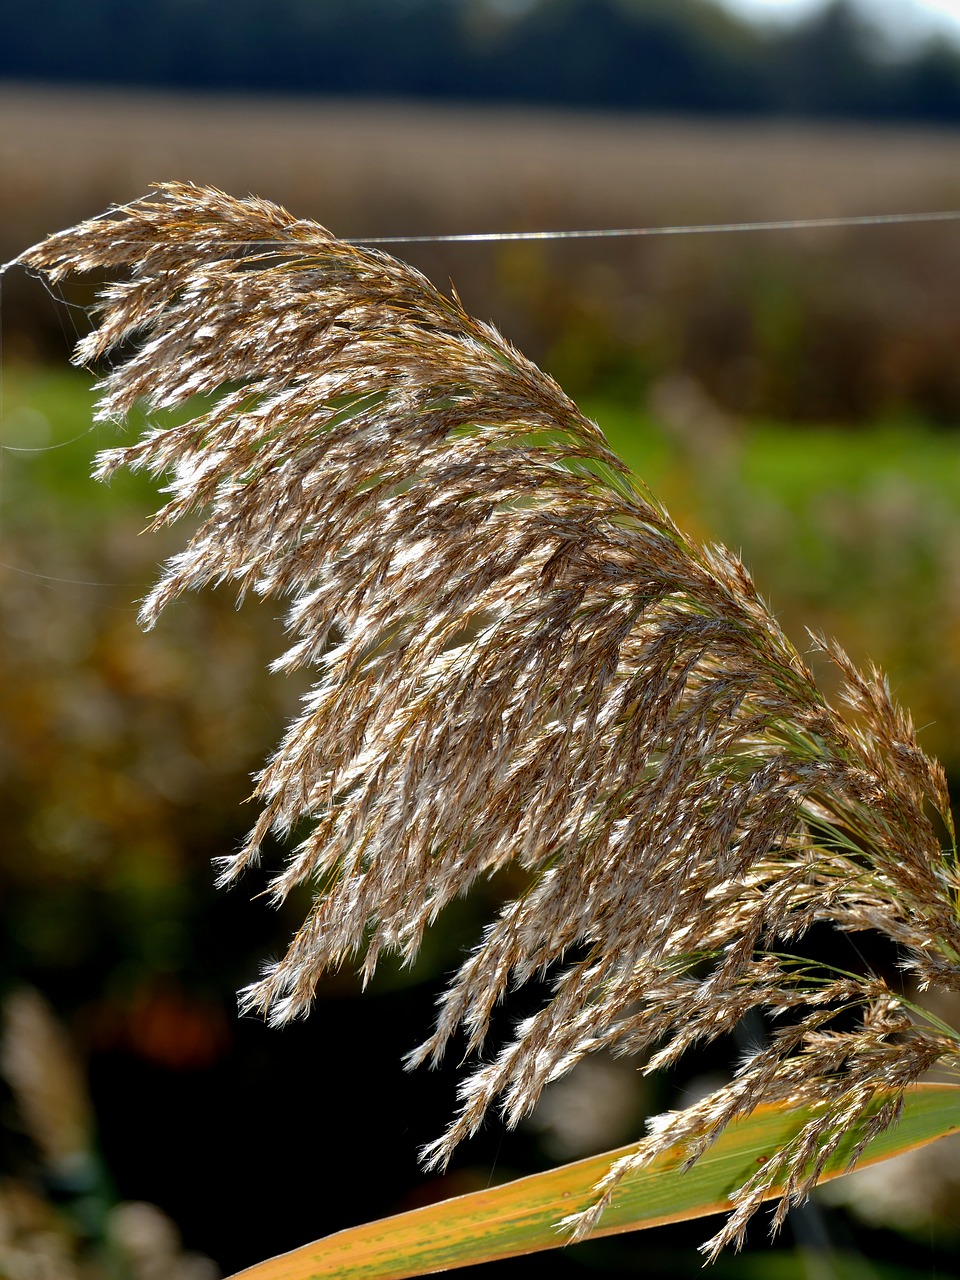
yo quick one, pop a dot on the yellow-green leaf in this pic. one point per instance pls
(520, 1217)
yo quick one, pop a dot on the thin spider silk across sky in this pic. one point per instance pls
(904, 21)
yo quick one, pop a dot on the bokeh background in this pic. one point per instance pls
(794, 394)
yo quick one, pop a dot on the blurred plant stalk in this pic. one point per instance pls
(71, 1227)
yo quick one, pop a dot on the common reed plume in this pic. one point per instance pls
(520, 657)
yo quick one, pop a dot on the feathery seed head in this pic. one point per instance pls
(519, 656)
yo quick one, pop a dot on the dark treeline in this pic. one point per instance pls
(656, 55)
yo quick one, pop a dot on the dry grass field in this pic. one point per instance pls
(823, 324)
(391, 168)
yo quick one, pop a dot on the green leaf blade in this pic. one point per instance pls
(521, 1217)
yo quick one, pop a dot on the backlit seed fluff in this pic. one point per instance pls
(519, 657)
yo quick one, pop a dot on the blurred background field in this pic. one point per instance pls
(793, 394)
(827, 325)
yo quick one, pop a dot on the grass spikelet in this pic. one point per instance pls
(518, 656)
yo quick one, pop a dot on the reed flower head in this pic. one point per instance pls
(519, 657)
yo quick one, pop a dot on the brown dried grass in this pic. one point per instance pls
(520, 658)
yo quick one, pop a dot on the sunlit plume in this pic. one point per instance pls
(519, 658)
